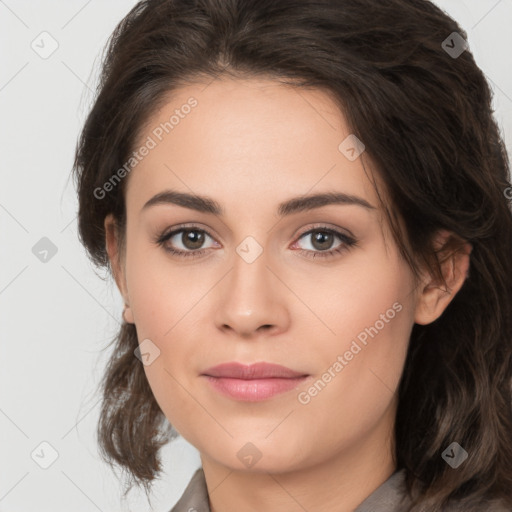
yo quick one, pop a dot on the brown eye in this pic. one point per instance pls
(184, 242)
(192, 239)
(322, 240)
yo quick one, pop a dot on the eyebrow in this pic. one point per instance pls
(206, 204)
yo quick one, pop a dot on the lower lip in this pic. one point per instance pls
(253, 390)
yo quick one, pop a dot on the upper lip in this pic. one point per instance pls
(261, 370)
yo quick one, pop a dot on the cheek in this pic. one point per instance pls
(161, 293)
(369, 312)
(165, 301)
(163, 315)
(369, 298)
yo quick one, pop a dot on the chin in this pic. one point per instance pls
(250, 454)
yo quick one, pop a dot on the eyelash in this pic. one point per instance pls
(348, 242)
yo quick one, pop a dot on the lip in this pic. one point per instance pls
(255, 382)
(261, 370)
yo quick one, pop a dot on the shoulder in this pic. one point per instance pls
(487, 506)
(392, 496)
(195, 496)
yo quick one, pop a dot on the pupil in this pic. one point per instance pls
(192, 239)
(320, 237)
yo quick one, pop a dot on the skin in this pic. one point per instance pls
(251, 144)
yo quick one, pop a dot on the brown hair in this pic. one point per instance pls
(425, 118)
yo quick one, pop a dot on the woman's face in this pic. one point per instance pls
(262, 282)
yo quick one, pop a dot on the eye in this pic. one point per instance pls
(190, 238)
(322, 242)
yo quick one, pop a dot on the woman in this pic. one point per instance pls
(304, 207)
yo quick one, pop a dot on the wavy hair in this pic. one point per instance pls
(426, 119)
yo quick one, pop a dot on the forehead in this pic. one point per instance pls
(247, 139)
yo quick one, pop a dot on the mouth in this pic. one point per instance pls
(256, 382)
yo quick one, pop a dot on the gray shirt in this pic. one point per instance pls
(391, 496)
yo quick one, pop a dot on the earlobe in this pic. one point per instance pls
(112, 247)
(435, 296)
(127, 314)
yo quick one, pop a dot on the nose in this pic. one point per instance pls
(251, 300)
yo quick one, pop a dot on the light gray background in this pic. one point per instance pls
(56, 316)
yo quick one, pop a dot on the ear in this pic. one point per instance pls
(434, 297)
(112, 245)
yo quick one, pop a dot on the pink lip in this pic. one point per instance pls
(262, 370)
(252, 383)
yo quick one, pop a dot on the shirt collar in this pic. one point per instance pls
(388, 497)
